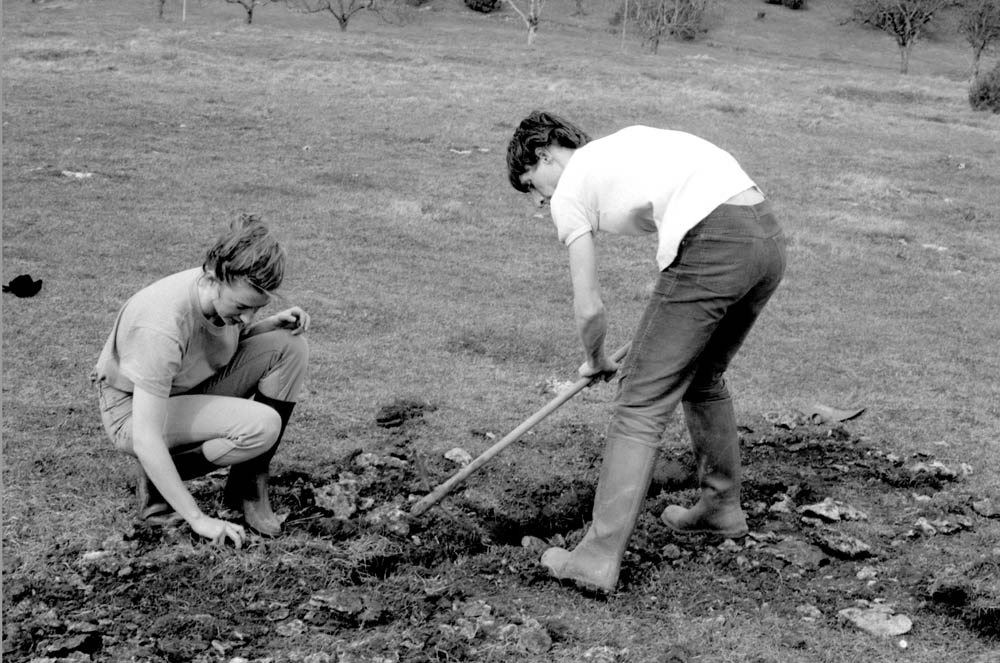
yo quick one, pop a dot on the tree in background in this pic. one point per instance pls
(531, 15)
(342, 10)
(579, 11)
(905, 20)
(658, 19)
(248, 6)
(980, 23)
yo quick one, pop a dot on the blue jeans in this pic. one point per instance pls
(701, 310)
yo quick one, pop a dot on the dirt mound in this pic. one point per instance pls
(355, 575)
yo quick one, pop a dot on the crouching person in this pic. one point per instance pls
(188, 383)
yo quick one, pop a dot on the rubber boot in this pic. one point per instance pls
(190, 463)
(621, 490)
(246, 487)
(716, 442)
(151, 502)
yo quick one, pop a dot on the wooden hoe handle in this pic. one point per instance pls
(435, 495)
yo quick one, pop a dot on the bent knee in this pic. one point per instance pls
(707, 390)
(646, 421)
(296, 345)
(260, 431)
(270, 425)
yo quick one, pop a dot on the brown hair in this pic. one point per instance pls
(248, 251)
(539, 129)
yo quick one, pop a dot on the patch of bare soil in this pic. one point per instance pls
(835, 523)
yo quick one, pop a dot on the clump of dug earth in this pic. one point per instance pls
(354, 576)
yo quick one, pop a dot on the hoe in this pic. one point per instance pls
(435, 495)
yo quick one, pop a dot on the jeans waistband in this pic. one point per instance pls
(739, 220)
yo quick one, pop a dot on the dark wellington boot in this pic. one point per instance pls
(247, 489)
(716, 445)
(151, 503)
(190, 463)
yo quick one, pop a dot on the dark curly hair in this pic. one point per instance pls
(539, 129)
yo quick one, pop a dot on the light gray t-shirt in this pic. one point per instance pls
(163, 343)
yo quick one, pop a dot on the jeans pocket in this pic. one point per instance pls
(721, 266)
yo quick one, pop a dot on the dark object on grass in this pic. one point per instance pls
(824, 414)
(985, 91)
(23, 286)
(400, 411)
(971, 593)
(484, 6)
(841, 545)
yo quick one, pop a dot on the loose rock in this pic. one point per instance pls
(877, 619)
(866, 573)
(841, 545)
(798, 553)
(601, 654)
(832, 510)
(534, 640)
(986, 508)
(935, 469)
(459, 456)
(809, 612)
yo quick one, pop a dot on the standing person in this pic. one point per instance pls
(188, 383)
(721, 256)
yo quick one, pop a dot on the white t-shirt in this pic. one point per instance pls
(644, 180)
(162, 341)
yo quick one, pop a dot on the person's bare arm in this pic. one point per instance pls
(588, 307)
(149, 414)
(294, 319)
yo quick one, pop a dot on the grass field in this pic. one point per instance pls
(378, 154)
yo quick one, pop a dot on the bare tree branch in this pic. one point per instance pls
(904, 20)
(532, 16)
(980, 23)
(657, 19)
(248, 7)
(342, 10)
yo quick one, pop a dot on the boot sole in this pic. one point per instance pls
(269, 525)
(588, 588)
(155, 509)
(271, 534)
(166, 519)
(728, 534)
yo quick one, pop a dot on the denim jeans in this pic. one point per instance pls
(701, 310)
(218, 413)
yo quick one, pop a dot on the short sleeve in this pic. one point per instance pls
(150, 359)
(571, 219)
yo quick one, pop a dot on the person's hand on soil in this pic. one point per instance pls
(294, 319)
(218, 530)
(605, 370)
